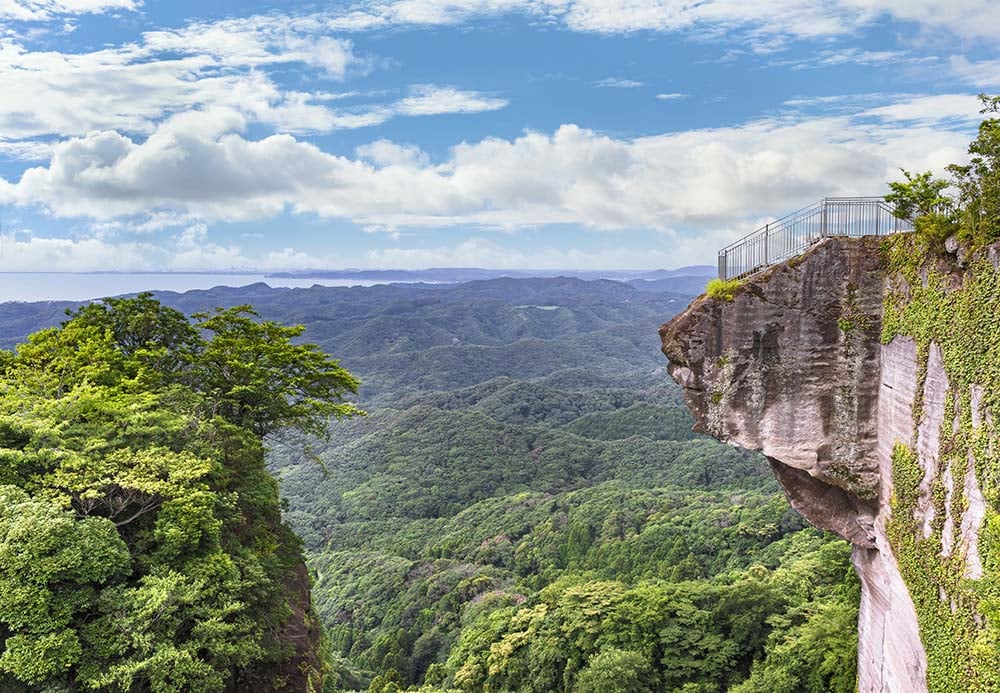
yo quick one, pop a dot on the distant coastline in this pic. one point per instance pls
(464, 274)
(84, 286)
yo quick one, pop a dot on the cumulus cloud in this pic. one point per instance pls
(22, 253)
(197, 164)
(221, 65)
(25, 150)
(51, 93)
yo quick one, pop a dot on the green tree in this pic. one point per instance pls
(51, 568)
(258, 378)
(156, 338)
(141, 542)
(616, 671)
(920, 194)
(978, 182)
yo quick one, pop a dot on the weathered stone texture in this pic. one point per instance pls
(929, 435)
(890, 654)
(794, 367)
(773, 370)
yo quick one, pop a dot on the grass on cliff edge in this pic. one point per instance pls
(723, 289)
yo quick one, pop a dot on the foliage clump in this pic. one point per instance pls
(723, 289)
(141, 544)
(968, 204)
(956, 313)
(960, 321)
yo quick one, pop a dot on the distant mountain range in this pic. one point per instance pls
(659, 296)
(465, 274)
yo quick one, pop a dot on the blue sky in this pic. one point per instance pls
(498, 133)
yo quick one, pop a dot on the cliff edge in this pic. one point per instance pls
(866, 372)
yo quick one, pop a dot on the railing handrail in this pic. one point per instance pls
(792, 234)
(766, 226)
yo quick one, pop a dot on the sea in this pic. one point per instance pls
(67, 286)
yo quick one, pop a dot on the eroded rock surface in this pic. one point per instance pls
(794, 367)
(790, 368)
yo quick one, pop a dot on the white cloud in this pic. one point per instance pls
(25, 150)
(774, 18)
(34, 253)
(379, 13)
(675, 251)
(428, 99)
(258, 41)
(189, 250)
(854, 56)
(198, 165)
(673, 96)
(851, 101)
(929, 110)
(192, 250)
(132, 87)
(44, 10)
(968, 18)
(984, 74)
(386, 153)
(763, 18)
(298, 114)
(217, 66)
(619, 83)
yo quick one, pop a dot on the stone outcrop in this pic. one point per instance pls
(794, 367)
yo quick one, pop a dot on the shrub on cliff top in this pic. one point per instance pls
(723, 289)
(972, 210)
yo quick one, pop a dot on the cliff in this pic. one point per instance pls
(301, 668)
(866, 371)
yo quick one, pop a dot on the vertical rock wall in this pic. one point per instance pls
(794, 367)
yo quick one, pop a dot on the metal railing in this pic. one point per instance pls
(793, 234)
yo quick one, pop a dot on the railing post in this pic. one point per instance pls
(767, 235)
(722, 265)
(822, 223)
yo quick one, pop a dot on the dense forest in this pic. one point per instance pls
(141, 541)
(525, 507)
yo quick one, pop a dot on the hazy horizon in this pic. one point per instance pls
(30, 287)
(359, 270)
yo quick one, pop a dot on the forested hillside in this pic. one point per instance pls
(141, 541)
(525, 507)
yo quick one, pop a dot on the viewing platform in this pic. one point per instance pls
(792, 235)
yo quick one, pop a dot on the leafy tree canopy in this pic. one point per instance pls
(969, 202)
(141, 544)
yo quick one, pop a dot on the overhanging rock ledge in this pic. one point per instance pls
(793, 367)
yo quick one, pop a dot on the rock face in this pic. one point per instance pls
(794, 367)
(300, 669)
